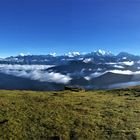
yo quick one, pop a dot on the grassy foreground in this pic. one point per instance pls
(68, 115)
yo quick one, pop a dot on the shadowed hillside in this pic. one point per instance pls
(69, 115)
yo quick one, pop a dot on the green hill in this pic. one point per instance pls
(69, 115)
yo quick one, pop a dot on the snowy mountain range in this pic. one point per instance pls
(95, 70)
(52, 58)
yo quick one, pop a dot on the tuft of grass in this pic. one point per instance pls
(69, 115)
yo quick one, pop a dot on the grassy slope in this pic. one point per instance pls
(93, 115)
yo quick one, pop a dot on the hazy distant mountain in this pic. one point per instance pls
(95, 70)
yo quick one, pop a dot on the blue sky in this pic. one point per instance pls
(44, 26)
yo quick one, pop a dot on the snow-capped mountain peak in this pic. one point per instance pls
(72, 54)
(102, 52)
(53, 54)
(24, 54)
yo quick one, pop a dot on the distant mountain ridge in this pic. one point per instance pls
(96, 56)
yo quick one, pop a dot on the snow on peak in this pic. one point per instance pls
(124, 58)
(87, 60)
(53, 54)
(102, 52)
(72, 54)
(24, 54)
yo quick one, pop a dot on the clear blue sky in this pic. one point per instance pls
(44, 26)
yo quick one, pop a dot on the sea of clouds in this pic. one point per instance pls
(123, 72)
(40, 72)
(34, 72)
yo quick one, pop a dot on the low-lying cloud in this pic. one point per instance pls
(35, 72)
(124, 85)
(24, 67)
(128, 63)
(123, 72)
(118, 66)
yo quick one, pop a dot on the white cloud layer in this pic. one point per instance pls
(124, 72)
(118, 66)
(35, 72)
(128, 63)
(24, 67)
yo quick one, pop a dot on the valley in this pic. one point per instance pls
(95, 70)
